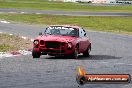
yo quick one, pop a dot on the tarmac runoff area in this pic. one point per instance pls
(111, 54)
(58, 12)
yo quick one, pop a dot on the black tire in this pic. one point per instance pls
(74, 55)
(87, 52)
(35, 54)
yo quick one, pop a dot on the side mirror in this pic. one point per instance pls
(40, 33)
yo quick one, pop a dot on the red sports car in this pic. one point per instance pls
(60, 40)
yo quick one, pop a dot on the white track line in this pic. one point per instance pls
(38, 13)
(4, 21)
(23, 12)
(24, 52)
(10, 34)
(23, 37)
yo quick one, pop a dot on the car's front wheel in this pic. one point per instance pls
(35, 54)
(74, 55)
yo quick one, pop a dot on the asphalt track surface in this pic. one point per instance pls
(110, 54)
(69, 13)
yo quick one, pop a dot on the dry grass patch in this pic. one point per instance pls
(13, 43)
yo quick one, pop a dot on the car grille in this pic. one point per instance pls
(51, 44)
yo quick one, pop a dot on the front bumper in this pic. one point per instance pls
(53, 48)
(52, 51)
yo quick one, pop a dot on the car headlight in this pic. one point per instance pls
(69, 45)
(36, 42)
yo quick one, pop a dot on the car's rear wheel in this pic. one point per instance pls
(87, 52)
(35, 54)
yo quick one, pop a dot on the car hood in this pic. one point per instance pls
(59, 38)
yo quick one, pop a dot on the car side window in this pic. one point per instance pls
(85, 34)
(47, 31)
(82, 32)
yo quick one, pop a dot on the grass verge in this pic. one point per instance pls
(13, 43)
(97, 23)
(45, 5)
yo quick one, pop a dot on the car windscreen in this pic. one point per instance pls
(65, 31)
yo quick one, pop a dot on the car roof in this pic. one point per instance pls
(72, 26)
